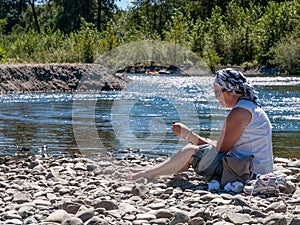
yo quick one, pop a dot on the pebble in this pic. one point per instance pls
(81, 191)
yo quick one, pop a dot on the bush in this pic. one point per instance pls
(287, 54)
(3, 55)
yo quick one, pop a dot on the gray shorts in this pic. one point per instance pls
(208, 162)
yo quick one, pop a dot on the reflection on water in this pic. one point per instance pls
(140, 116)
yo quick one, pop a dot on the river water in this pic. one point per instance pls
(139, 117)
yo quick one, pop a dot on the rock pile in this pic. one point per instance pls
(30, 78)
(77, 190)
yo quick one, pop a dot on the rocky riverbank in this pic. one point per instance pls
(77, 190)
(28, 78)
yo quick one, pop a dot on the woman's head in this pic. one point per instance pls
(233, 81)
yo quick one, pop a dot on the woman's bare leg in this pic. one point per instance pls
(177, 163)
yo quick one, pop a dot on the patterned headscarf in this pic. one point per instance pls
(234, 81)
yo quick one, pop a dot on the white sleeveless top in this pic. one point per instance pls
(256, 139)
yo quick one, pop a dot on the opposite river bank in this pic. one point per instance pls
(28, 78)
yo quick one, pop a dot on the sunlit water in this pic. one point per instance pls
(139, 117)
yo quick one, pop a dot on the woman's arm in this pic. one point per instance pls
(236, 121)
(186, 134)
(233, 127)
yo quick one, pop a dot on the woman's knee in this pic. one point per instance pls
(190, 149)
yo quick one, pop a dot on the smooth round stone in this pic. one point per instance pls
(58, 216)
(72, 221)
(14, 221)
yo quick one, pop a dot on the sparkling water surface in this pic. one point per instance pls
(140, 116)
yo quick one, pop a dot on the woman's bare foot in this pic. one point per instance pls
(137, 170)
(138, 175)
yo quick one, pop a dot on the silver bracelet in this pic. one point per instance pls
(188, 135)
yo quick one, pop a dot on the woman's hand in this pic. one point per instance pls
(180, 130)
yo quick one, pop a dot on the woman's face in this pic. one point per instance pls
(227, 99)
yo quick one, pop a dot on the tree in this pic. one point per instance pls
(287, 54)
(70, 13)
(215, 38)
(11, 10)
(239, 22)
(179, 30)
(31, 3)
(277, 22)
(105, 11)
(198, 37)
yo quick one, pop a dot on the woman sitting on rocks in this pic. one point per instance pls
(246, 131)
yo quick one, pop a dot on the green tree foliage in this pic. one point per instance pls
(287, 53)
(231, 32)
(215, 39)
(277, 22)
(71, 11)
(239, 22)
(179, 30)
(197, 37)
(11, 10)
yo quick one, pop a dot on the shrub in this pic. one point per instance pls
(3, 55)
(287, 54)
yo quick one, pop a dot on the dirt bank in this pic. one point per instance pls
(58, 78)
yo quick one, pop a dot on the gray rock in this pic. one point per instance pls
(72, 221)
(80, 166)
(145, 216)
(58, 216)
(96, 221)
(64, 191)
(38, 168)
(124, 190)
(277, 207)
(157, 205)
(91, 166)
(207, 197)
(71, 207)
(238, 201)
(127, 208)
(222, 223)
(197, 221)
(3, 184)
(275, 219)
(160, 221)
(238, 218)
(298, 177)
(179, 217)
(86, 214)
(21, 197)
(26, 211)
(42, 202)
(31, 221)
(295, 220)
(257, 214)
(113, 213)
(296, 194)
(106, 204)
(294, 164)
(281, 160)
(13, 221)
(204, 213)
(289, 188)
(163, 213)
(140, 222)
(12, 214)
(140, 190)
